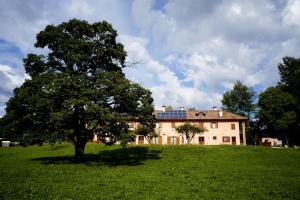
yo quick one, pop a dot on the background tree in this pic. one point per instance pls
(77, 87)
(189, 131)
(279, 113)
(276, 112)
(169, 108)
(240, 100)
(289, 71)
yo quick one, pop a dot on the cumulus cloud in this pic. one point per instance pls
(186, 52)
(10, 79)
(219, 42)
(22, 20)
(166, 87)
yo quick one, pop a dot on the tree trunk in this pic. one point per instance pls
(286, 139)
(79, 150)
(149, 139)
(188, 138)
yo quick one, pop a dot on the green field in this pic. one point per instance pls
(150, 172)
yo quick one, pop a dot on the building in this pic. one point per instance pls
(270, 142)
(222, 127)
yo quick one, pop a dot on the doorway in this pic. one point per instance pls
(233, 140)
(141, 140)
(201, 140)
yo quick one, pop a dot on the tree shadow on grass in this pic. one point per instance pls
(130, 156)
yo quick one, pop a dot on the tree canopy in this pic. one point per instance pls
(279, 112)
(189, 131)
(77, 88)
(240, 100)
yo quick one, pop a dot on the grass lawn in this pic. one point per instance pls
(150, 172)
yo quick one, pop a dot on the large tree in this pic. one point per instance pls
(77, 88)
(277, 114)
(280, 105)
(240, 100)
(289, 71)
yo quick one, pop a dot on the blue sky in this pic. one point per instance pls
(189, 52)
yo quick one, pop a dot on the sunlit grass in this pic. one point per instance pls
(150, 172)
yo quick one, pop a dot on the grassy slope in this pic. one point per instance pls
(174, 172)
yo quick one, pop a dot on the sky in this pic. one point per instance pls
(187, 52)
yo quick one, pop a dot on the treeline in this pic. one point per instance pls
(274, 112)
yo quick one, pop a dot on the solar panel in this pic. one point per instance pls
(173, 114)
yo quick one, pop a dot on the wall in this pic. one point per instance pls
(165, 129)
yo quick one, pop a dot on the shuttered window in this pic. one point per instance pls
(214, 125)
(232, 126)
(226, 139)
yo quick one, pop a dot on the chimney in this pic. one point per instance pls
(164, 108)
(181, 108)
(220, 113)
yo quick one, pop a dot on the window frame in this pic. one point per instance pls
(216, 125)
(232, 126)
(226, 137)
(155, 140)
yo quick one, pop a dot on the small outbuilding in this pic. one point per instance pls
(5, 143)
(270, 142)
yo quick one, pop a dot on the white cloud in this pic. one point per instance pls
(10, 78)
(187, 52)
(223, 41)
(291, 14)
(22, 20)
(166, 87)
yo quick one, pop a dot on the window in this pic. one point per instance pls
(141, 140)
(201, 140)
(155, 140)
(226, 139)
(232, 126)
(214, 125)
(172, 140)
(141, 137)
(214, 137)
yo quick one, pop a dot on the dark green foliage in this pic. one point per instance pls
(189, 131)
(240, 100)
(276, 109)
(290, 79)
(77, 88)
(154, 172)
(290, 76)
(279, 113)
(169, 108)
